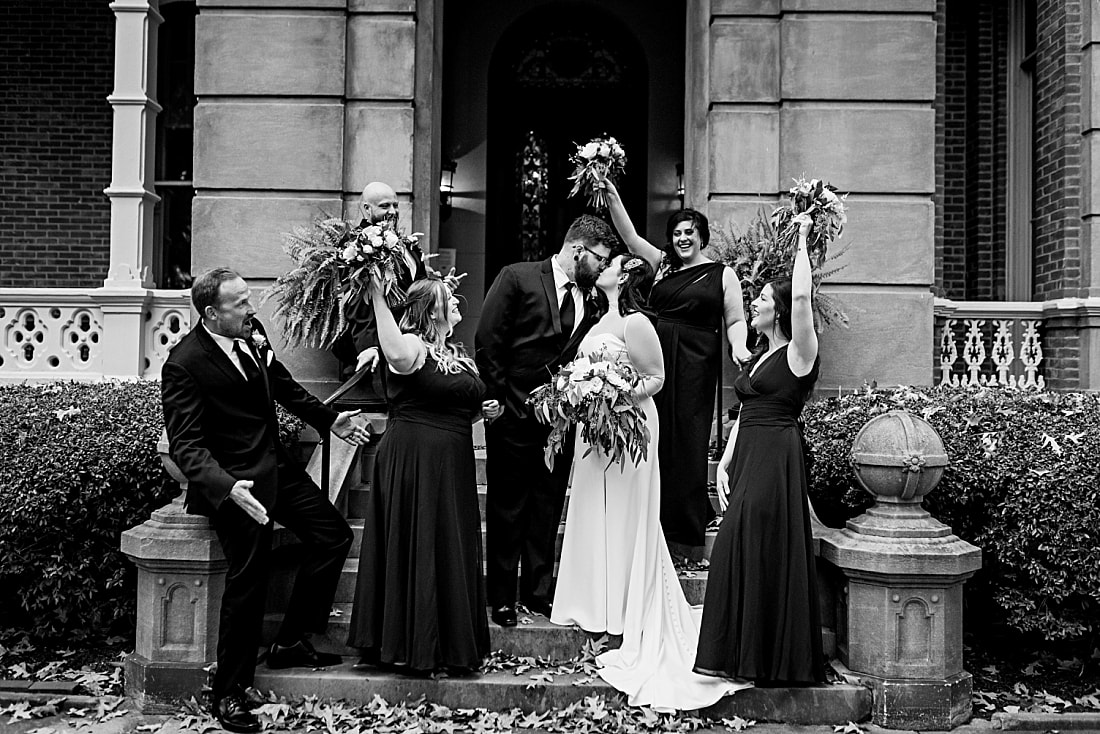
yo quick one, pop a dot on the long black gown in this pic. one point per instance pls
(419, 600)
(690, 307)
(761, 619)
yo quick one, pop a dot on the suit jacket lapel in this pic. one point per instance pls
(551, 289)
(217, 356)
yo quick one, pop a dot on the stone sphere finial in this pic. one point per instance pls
(898, 456)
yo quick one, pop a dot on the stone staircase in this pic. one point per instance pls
(535, 637)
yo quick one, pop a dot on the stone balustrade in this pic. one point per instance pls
(61, 333)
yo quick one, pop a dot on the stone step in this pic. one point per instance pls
(502, 691)
(694, 583)
(535, 636)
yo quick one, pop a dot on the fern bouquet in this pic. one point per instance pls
(760, 253)
(335, 261)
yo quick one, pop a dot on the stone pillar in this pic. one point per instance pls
(181, 578)
(902, 630)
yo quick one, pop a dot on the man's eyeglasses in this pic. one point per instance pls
(603, 260)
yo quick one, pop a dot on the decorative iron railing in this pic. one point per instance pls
(60, 333)
(989, 343)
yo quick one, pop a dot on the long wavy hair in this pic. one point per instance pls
(698, 221)
(426, 308)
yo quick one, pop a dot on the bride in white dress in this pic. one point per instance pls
(616, 574)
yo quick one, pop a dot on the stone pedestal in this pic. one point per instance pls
(181, 578)
(904, 571)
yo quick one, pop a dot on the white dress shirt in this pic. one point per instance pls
(225, 343)
(560, 281)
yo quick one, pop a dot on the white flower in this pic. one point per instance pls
(592, 386)
(372, 231)
(617, 150)
(618, 380)
(391, 238)
(259, 340)
(349, 253)
(376, 240)
(369, 249)
(604, 150)
(589, 151)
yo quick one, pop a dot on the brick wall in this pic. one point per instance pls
(56, 71)
(971, 104)
(1057, 255)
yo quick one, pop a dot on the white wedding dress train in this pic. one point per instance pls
(616, 575)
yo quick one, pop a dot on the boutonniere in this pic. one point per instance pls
(263, 348)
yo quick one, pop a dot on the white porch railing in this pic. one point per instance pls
(989, 343)
(59, 333)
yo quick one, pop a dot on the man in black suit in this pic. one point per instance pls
(219, 387)
(359, 344)
(534, 317)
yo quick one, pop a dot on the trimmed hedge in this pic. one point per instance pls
(78, 465)
(1023, 484)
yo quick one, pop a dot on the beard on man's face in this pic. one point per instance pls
(585, 275)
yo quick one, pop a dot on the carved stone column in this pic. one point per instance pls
(181, 578)
(902, 631)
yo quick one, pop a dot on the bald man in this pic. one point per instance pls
(359, 344)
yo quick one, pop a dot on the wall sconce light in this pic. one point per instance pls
(680, 183)
(447, 184)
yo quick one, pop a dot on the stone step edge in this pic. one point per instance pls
(542, 690)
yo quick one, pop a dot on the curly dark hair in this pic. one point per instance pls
(698, 221)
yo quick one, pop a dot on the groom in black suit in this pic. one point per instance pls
(219, 387)
(534, 317)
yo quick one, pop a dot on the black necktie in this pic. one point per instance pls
(567, 311)
(248, 363)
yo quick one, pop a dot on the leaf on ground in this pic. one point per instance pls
(850, 728)
(17, 711)
(1012, 709)
(738, 724)
(150, 727)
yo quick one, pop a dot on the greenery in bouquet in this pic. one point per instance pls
(764, 250)
(596, 160)
(596, 394)
(821, 202)
(335, 260)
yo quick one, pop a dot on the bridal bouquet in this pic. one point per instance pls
(821, 202)
(596, 160)
(335, 261)
(597, 393)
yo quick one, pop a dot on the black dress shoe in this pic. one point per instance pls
(505, 616)
(299, 655)
(233, 715)
(536, 606)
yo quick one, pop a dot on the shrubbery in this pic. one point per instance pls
(78, 465)
(1023, 484)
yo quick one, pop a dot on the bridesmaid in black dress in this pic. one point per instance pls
(694, 299)
(760, 615)
(419, 600)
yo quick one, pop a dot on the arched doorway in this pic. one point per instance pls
(553, 83)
